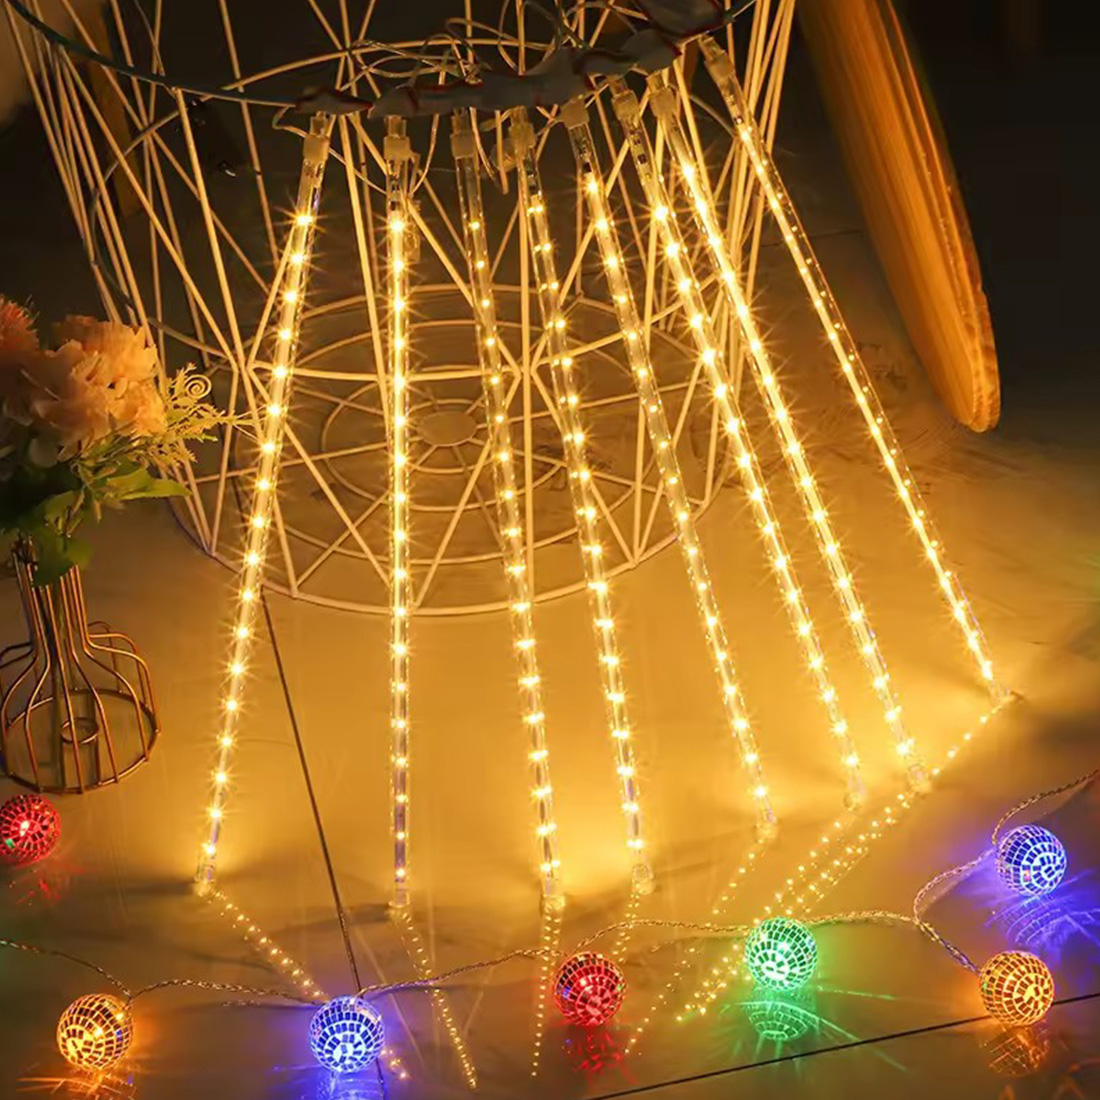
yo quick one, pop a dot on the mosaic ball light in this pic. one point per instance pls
(95, 1031)
(588, 989)
(1016, 987)
(30, 827)
(781, 954)
(346, 1034)
(1018, 1051)
(781, 1017)
(1031, 860)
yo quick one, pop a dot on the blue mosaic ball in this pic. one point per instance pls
(1031, 860)
(346, 1034)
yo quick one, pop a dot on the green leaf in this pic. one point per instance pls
(56, 554)
(165, 487)
(141, 485)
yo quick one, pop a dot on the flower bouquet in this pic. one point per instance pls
(86, 424)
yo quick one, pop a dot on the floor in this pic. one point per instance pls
(889, 1011)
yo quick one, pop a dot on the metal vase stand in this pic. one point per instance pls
(76, 699)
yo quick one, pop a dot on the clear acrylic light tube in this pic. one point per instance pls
(665, 104)
(397, 154)
(848, 358)
(291, 278)
(574, 116)
(585, 502)
(684, 280)
(508, 501)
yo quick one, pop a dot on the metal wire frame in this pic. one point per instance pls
(79, 700)
(90, 155)
(223, 329)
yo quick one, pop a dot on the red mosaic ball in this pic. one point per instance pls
(29, 829)
(589, 988)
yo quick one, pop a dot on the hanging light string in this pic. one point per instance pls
(848, 358)
(506, 485)
(290, 282)
(397, 153)
(686, 284)
(665, 104)
(575, 118)
(433, 981)
(585, 500)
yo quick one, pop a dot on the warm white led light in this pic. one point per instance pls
(398, 160)
(666, 107)
(287, 294)
(585, 501)
(660, 433)
(845, 350)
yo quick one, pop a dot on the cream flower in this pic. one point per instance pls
(18, 344)
(17, 335)
(126, 356)
(65, 394)
(140, 411)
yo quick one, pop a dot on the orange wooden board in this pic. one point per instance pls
(901, 170)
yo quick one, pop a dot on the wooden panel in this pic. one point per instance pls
(901, 170)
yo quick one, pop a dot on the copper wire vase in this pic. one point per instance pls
(77, 708)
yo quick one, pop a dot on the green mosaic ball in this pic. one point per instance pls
(781, 1017)
(781, 954)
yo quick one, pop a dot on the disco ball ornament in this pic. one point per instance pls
(1018, 1051)
(95, 1031)
(1031, 860)
(29, 829)
(782, 1016)
(1017, 988)
(781, 954)
(346, 1034)
(588, 988)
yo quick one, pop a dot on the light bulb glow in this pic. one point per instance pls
(1016, 988)
(660, 435)
(1031, 860)
(771, 394)
(286, 313)
(585, 501)
(845, 350)
(346, 1035)
(589, 988)
(95, 1031)
(30, 828)
(781, 954)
